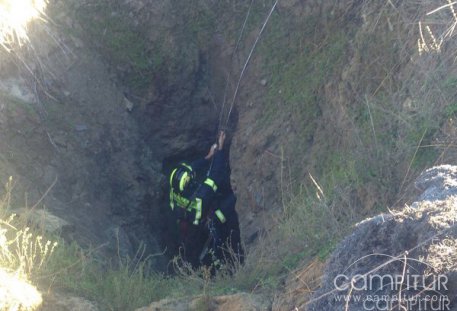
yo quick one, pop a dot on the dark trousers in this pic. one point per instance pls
(226, 242)
(192, 240)
(228, 248)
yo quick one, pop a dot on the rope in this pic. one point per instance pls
(247, 61)
(244, 68)
(227, 79)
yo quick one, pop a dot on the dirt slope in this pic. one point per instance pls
(64, 121)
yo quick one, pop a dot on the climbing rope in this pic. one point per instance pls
(247, 62)
(220, 127)
(235, 50)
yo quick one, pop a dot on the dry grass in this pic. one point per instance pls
(21, 250)
(438, 27)
(22, 254)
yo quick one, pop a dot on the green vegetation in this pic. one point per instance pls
(302, 60)
(297, 74)
(196, 22)
(451, 110)
(310, 225)
(299, 58)
(124, 44)
(144, 51)
(125, 285)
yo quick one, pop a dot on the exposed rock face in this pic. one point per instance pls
(75, 135)
(412, 252)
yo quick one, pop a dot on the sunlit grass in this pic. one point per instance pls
(22, 254)
(15, 15)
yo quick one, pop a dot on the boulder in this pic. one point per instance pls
(406, 259)
(44, 219)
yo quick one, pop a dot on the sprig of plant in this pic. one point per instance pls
(21, 250)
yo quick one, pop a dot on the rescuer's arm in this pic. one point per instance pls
(200, 164)
(219, 165)
(207, 191)
(203, 163)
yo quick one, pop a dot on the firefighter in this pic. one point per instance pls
(203, 201)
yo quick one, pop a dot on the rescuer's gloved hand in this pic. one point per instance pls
(218, 146)
(211, 152)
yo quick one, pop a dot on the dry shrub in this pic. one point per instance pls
(23, 253)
